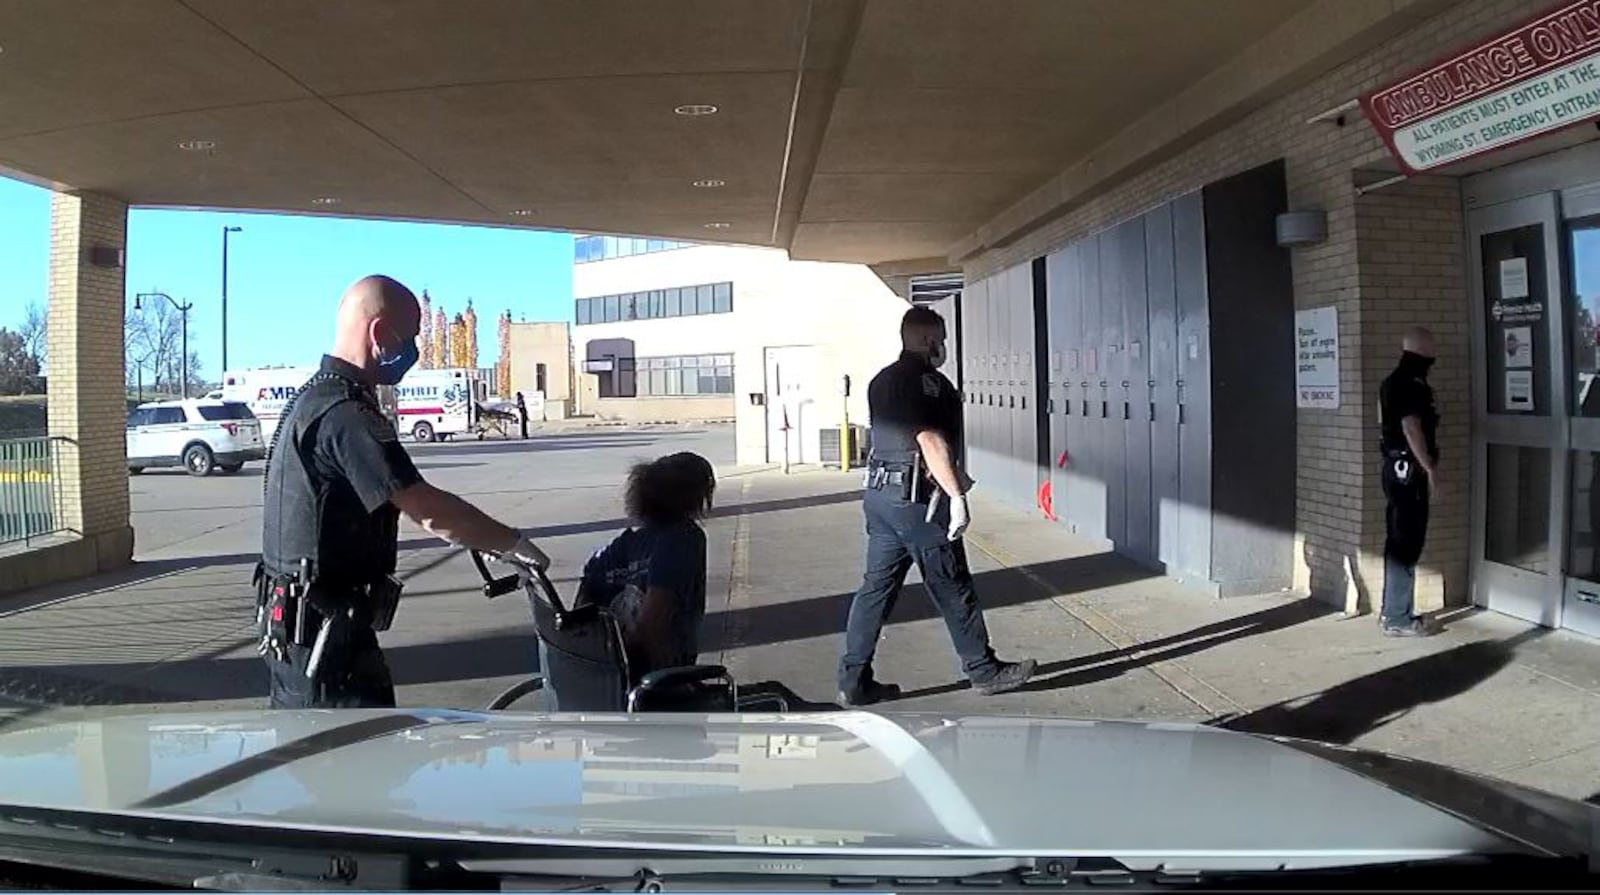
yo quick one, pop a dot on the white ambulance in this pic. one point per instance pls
(435, 404)
(267, 391)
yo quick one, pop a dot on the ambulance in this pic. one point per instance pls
(439, 404)
(267, 391)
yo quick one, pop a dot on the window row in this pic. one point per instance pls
(601, 248)
(657, 377)
(679, 301)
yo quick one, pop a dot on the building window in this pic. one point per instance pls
(603, 248)
(686, 375)
(679, 301)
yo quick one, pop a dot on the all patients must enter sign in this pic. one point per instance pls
(1535, 79)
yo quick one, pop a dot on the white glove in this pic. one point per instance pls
(960, 518)
(527, 553)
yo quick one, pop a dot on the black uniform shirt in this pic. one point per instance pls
(1406, 392)
(907, 397)
(342, 516)
(358, 449)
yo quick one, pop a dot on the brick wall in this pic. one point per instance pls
(86, 390)
(1408, 235)
(1409, 251)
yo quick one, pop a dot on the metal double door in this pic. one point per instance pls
(997, 335)
(1534, 285)
(1127, 311)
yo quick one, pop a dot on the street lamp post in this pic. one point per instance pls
(183, 311)
(225, 232)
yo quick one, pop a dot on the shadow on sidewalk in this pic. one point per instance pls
(771, 623)
(1108, 664)
(1347, 711)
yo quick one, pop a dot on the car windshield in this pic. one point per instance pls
(1152, 436)
(231, 410)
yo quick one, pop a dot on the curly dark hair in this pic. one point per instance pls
(671, 489)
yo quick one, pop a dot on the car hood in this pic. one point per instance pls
(839, 782)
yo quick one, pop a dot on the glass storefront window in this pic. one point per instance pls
(1515, 304)
(1517, 517)
(1583, 518)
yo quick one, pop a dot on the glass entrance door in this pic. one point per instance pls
(1521, 422)
(1580, 603)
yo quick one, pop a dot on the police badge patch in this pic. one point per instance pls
(930, 384)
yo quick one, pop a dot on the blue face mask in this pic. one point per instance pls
(392, 367)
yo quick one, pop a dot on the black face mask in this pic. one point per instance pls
(1416, 363)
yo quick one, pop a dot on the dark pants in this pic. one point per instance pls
(524, 428)
(353, 675)
(1405, 486)
(897, 536)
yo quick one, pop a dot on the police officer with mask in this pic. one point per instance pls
(337, 479)
(1408, 426)
(916, 511)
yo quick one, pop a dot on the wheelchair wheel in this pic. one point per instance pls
(514, 693)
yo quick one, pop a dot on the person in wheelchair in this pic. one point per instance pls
(652, 576)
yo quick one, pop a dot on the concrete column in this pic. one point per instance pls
(87, 396)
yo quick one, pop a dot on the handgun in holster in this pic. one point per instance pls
(372, 605)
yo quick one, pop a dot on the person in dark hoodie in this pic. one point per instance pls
(1408, 427)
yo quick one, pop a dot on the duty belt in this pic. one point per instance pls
(883, 475)
(295, 610)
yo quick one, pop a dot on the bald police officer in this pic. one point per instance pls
(337, 480)
(1408, 425)
(916, 510)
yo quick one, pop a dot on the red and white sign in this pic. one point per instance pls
(1532, 80)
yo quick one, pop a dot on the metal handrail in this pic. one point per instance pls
(32, 501)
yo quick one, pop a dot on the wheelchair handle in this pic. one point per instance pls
(494, 587)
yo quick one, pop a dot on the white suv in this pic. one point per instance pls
(199, 435)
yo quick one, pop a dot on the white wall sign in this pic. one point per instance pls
(1519, 390)
(1316, 371)
(1513, 278)
(1519, 346)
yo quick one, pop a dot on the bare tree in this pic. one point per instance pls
(155, 334)
(34, 333)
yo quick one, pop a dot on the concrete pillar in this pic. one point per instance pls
(87, 396)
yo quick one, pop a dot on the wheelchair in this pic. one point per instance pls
(583, 662)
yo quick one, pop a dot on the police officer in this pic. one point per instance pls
(916, 511)
(337, 479)
(1407, 424)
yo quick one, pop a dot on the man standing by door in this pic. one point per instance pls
(1408, 426)
(916, 509)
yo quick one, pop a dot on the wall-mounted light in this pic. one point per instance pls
(1302, 228)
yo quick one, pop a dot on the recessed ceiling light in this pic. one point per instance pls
(197, 145)
(695, 110)
(711, 183)
(325, 200)
(718, 225)
(522, 212)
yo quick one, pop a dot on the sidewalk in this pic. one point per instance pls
(1114, 640)
(1490, 694)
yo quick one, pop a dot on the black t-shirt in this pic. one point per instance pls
(1406, 392)
(907, 397)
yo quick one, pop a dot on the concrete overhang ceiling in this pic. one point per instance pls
(859, 130)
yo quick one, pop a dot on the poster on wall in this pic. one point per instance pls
(1519, 347)
(1316, 371)
(1519, 391)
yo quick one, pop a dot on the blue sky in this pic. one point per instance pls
(285, 273)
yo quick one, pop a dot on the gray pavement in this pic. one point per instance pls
(1114, 640)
